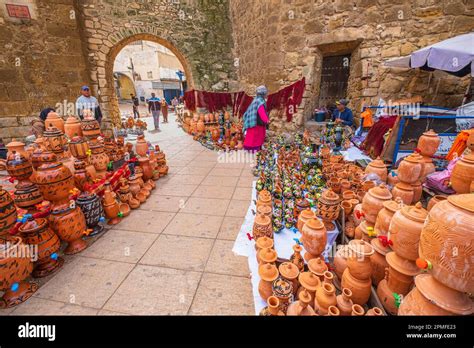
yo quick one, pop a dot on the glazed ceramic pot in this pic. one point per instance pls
(361, 288)
(409, 169)
(290, 272)
(344, 302)
(302, 306)
(433, 200)
(314, 238)
(446, 242)
(385, 215)
(325, 297)
(318, 267)
(296, 257)
(304, 217)
(377, 261)
(329, 208)
(27, 195)
(428, 143)
(463, 174)
(79, 147)
(37, 232)
(55, 141)
(358, 261)
(405, 229)
(283, 290)
(99, 159)
(373, 202)
(377, 167)
(91, 207)
(340, 260)
(262, 227)
(431, 297)
(55, 181)
(357, 310)
(272, 308)
(144, 163)
(13, 272)
(69, 224)
(90, 128)
(404, 191)
(8, 212)
(111, 206)
(267, 255)
(72, 127)
(309, 282)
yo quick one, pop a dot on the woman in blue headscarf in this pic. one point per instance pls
(255, 121)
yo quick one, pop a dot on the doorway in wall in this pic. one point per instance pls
(334, 78)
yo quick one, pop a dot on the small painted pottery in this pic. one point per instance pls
(79, 147)
(262, 226)
(296, 257)
(329, 208)
(18, 166)
(283, 290)
(300, 205)
(72, 127)
(69, 223)
(55, 141)
(90, 127)
(290, 272)
(91, 206)
(8, 212)
(27, 196)
(17, 147)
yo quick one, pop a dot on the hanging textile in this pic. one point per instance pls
(190, 100)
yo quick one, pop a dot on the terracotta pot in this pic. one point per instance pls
(361, 288)
(300, 205)
(404, 191)
(428, 167)
(385, 215)
(428, 143)
(55, 181)
(309, 282)
(134, 184)
(325, 297)
(264, 198)
(340, 260)
(409, 169)
(344, 302)
(296, 257)
(377, 167)
(446, 242)
(144, 163)
(141, 196)
(417, 191)
(262, 243)
(463, 174)
(262, 226)
(81, 177)
(400, 273)
(433, 200)
(141, 147)
(367, 185)
(91, 206)
(373, 202)
(17, 147)
(54, 120)
(346, 206)
(334, 184)
(8, 214)
(134, 203)
(304, 217)
(375, 311)
(265, 210)
(79, 147)
(99, 159)
(90, 128)
(283, 290)
(268, 273)
(358, 261)
(273, 307)
(318, 267)
(37, 233)
(314, 238)
(405, 230)
(201, 127)
(290, 271)
(431, 297)
(111, 206)
(378, 262)
(301, 307)
(392, 178)
(18, 166)
(72, 127)
(55, 141)
(14, 270)
(69, 224)
(215, 134)
(329, 208)
(267, 255)
(357, 310)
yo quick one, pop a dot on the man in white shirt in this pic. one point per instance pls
(86, 101)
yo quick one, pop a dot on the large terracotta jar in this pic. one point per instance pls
(54, 120)
(72, 127)
(433, 200)
(361, 288)
(268, 273)
(90, 127)
(27, 196)
(463, 174)
(55, 181)
(18, 166)
(378, 261)
(69, 223)
(17, 147)
(329, 208)
(428, 143)
(144, 163)
(340, 260)
(99, 159)
(314, 238)
(13, 271)
(283, 290)
(404, 191)
(290, 272)
(385, 215)
(377, 167)
(302, 306)
(431, 297)
(111, 206)
(325, 297)
(55, 141)
(428, 167)
(373, 202)
(405, 230)
(141, 147)
(446, 242)
(344, 302)
(304, 217)
(262, 227)
(309, 282)
(272, 308)
(37, 233)
(358, 261)
(8, 212)
(79, 147)
(417, 191)
(409, 169)
(91, 207)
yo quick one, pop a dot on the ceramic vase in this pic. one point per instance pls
(91, 207)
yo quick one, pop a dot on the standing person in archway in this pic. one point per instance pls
(135, 104)
(164, 110)
(154, 107)
(256, 120)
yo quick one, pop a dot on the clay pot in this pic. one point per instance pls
(463, 174)
(404, 191)
(134, 203)
(417, 191)
(215, 134)
(385, 215)
(134, 184)
(111, 206)
(357, 310)
(377, 261)
(72, 127)
(435, 199)
(334, 184)
(81, 177)
(91, 207)
(79, 147)
(141, 147)
(329, 208)
(405, 230)
(367, 185)
(55, 181)
(283, 290)
(141, 196)
(69, 224)
(325, 297)
(346, 206)
(99, 159)
(361, 288)
(18, 166)
(340, 260)
(144, 163)
(364, 231)
(409, 169)
(17, 147)
(377, 167)
(300, 205)
(14, 270)
(8, 212)
(37, 232)
(55, 141)
(446, 242)
(431, 297)
(54, 120)
(296, 257)
(314, 238)
(268, 273)
(265, 210)
(373, 202)
(357, 214)
(262, 243)
(90, 128)
(27, 196)
(309, 282)
(267, 255)
(317, 267)
(375, 311)
(290, 271)
(262, 226)
(358, 261)
(264, 198)
(304, 216)
(273, 307)
(428, 143)
(301, 307)
(344, 302)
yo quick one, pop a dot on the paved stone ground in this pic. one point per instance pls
(171, 256)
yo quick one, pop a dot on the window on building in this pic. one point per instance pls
(150, 74)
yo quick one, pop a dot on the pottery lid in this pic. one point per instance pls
(14, 143)
(448, 299)
(33, 225)
(264, 242)
(314, 224)
(267, 255)
(289, 270)
(393, 205)
(402, 265)
(282, 288)
(72, 120)
(413, 158)
(361, 247)
(268, 272)
(304, 296)
(430, 133)
(330, 196)
(264, 209)
(415, 212)
(261, 219)
(464, 201)
(377, 163)
(309, 281)
(381, 192)
(317, 266)
(378, 246)
(307, 214)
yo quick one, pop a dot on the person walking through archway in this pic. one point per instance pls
(154, 107)
(135, 105)
(164, 110)
(256, 120)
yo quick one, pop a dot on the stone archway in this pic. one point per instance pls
(108, 97)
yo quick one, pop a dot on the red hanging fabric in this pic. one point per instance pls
(190, 100)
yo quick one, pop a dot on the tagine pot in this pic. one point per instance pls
(290, 271)
(410, 169)
(283, 290)
(268, 273)
(262, 227)
(8, 213)
(428, 143)
(446, 242)
(329, 208)
(13, 272)
(405, 229)
(69, 223)
(302, 306)
(377, 167)
(55, 181)
(404, 191)
(72, 127)
(462, 175)
(314, 238)
(40, 157)
(37, 233)
(91, 207)
(344, 302)
(325, 297)
(373, 202)
(382, 223)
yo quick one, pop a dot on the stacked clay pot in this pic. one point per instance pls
(382, 223)
(410, 173)
(462, 176)
(329, 208)
(262, 227)
(309, 282)
(268, 273)
(304, 217)
(373, 202)
(377, 167)
(428, 145)
(314, 238)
